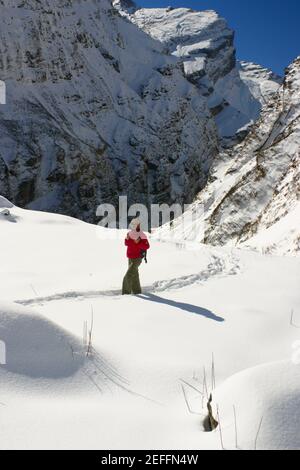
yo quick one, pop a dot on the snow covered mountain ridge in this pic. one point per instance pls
(253, 194)
(97, 108)
(203, 41)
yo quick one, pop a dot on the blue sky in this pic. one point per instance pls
(267, 31)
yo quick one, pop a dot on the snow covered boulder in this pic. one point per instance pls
(36, 347)
(267, 404)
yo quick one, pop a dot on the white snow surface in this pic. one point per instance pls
(128, 393)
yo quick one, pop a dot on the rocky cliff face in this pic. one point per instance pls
(202, 40)
(253, 194)
(95, 108)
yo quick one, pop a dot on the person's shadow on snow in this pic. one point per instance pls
(183, 306)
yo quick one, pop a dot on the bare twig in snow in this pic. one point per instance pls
(292, 320)
(191, 386)
(84, 336)
(33, 290)
(213, 373)
(220, 429)
(257, 434)
(90, 334)
(205, 390)
(93, 381)
(187, 401)
(235, 428)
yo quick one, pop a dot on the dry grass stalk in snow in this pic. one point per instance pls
(88, 334)
(185, 395)
(213, 373)
(220, 429)
(257, 434)
(235, 428)
(34, 290)
(292, 320)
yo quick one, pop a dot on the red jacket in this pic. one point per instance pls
(134, 249)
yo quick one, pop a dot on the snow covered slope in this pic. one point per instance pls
(253, 196)
(35, 347)
(262, 82)
(56, 272)
(94, 109)
(205, 44)
(239, 97)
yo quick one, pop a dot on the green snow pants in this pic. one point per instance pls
(131, 281)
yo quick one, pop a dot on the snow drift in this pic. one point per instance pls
(36, 347)
(271, 392)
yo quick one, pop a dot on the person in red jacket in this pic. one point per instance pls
(137, 244)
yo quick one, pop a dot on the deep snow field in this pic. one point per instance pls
(135, 390)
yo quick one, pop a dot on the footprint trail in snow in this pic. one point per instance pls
(218, 267)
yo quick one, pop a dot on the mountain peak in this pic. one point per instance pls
(204, 43)
(128, 5)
